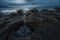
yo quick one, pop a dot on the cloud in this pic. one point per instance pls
(45, 2)
(4, 4)
(8, 3)
(18, 1)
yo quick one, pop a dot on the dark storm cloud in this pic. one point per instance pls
(8, 3)
(4, 3)
(45, 2)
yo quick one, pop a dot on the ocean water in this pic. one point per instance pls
(24, 7)
(15, 8)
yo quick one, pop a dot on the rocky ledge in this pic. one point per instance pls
(42, 25)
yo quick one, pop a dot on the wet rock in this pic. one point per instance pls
(13, 14)
(42, 26)
(57, 9)
(19, 12)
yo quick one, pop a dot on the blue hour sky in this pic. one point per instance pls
(8, 3)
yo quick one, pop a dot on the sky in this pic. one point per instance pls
(8, 3)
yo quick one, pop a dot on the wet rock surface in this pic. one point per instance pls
(45, 24)
(34, 25)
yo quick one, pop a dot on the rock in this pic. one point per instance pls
(19, 12)
(44, 25)
(57, 9)
(13, 14)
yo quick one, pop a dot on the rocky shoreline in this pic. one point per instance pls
(45, 24)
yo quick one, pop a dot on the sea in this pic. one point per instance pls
(10, 9)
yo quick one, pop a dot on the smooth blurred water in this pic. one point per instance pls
(23, 31)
